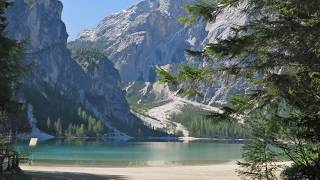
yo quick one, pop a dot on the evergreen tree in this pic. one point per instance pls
(10, 64)
(48, 123)
(82, 130)
(84, 115)
(58, 127)
(4, 125)
(10, 69)
(278, 50)
(79, 111)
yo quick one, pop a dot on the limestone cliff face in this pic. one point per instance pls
(57, 85)
(139, 38)
(217, 93)
(148, 35)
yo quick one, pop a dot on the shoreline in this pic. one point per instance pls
(190, 172)
(159, 138)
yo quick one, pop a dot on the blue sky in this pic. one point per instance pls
(84, 14)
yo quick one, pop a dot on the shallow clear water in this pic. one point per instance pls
(104, 153)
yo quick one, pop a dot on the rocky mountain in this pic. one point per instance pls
(57, 85)
(142, 37)
(148, 35)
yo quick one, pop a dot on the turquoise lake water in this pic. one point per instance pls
(119, 154)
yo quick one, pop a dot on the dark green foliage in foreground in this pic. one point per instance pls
(10, 176)
(10, 64)
(10, 70)
(199, 125)
(14, 122)
(279, 52)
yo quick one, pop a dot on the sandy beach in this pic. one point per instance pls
(206, 172)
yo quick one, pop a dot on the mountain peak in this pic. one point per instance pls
(88, 34)
(137, 39)
(129, 19)
(148, 34)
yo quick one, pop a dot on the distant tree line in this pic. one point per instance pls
(196, 121)
(88, 126)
